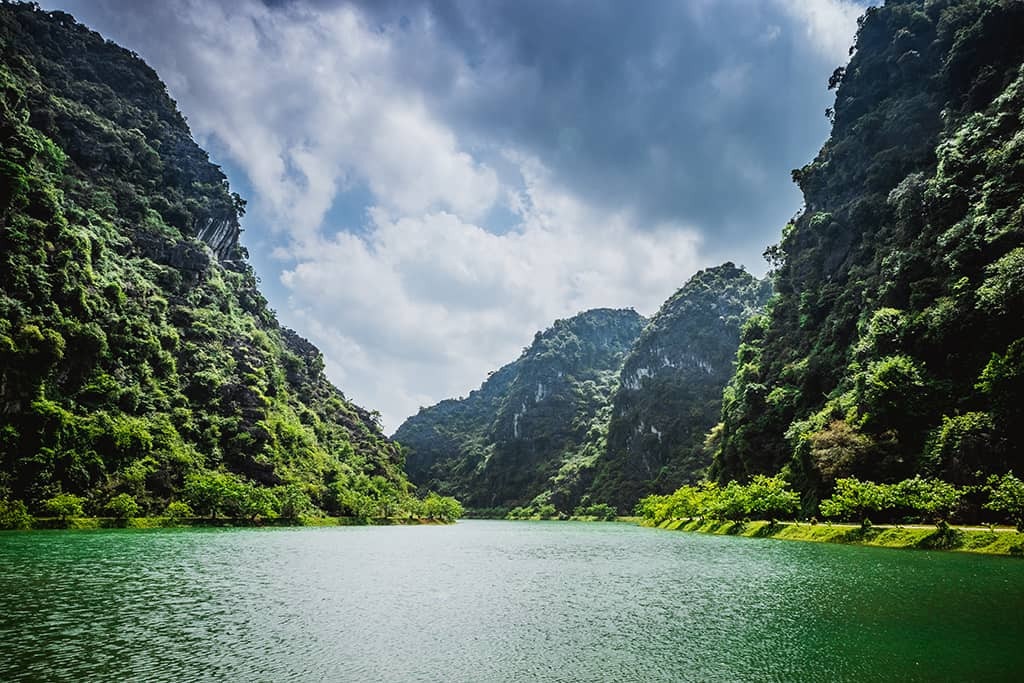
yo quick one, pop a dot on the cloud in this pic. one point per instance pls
(829, 25)
(426, 304)
(437, 180)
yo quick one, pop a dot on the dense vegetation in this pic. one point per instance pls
(895, 345)
(670, 387)
(140, 367)
(597, 412)
(1000, 499)
(533, 424)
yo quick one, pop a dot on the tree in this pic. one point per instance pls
(253, 501)
(771, 497)
(1006, 495)
(177, 510)
(211, 493)
(123, 506)
(14, 515)
(443, 508)
(293, 501)
(855, 499)
(931, 498)
(64, 506)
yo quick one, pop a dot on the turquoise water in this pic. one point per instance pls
(497, 601)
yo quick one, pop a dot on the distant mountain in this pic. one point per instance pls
(136, 351)
(896, 344)
(599, 409)
(501, 445)
(669, 392)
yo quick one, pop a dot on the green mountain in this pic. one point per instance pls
(599, 409)
(137, 355)
(670, 388)
(502, 445)
(896, 343)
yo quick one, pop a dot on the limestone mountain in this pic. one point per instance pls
(896, 344)
(669, 392)
(136, 351)
(602, 408)
(501, 445)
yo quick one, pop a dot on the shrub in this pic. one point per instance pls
(123, 506)
(64, 505)
(1006, 495)
(14, 515)
(178, 509)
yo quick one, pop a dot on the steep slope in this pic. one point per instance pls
(135, 348)
(670, 389)
(896, 344)
(500, 445)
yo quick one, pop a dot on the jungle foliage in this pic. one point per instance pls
(601, 409)
(140, 367)
(522, 439)
(894, 348)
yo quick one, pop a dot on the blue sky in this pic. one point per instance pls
(429, 183)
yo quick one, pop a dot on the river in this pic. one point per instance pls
(497, 601)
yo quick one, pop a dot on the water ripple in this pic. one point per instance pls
(494, 601)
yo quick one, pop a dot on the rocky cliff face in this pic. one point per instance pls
(502, 444)
(221, 234)
(670, 387)
(595, 411)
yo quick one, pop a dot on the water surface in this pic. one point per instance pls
(497, 601)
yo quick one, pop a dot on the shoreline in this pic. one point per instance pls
(93, 523)
(1006, 542)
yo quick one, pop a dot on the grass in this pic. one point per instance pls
(983, 541)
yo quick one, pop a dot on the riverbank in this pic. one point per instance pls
(87, 523)
(1003, 541)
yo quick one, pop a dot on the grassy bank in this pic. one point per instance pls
(984, 541)
(85, 523)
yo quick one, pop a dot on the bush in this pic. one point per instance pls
(64, 505)
(123, 506)
(14, 515)
(441, 508)
(178, 509)
(1006, 495)
(601, 511)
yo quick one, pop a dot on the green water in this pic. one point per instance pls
(497, 601)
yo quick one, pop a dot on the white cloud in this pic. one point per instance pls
(317, 103)
(829, 25)
(423, 306)
(423, 300)
(417, 298)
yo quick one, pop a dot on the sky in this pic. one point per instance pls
(430, 183)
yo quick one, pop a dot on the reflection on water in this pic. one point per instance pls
(497, 601)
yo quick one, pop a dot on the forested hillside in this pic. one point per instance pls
(895, 345)
(532, 423)
(138, 360)
(600, 410)
(670, 388)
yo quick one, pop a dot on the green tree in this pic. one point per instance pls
(64, 506)
(855, 499)
(253, 502)
(123, 506)
(178, 510)
(14, 515)
(771, 498)
(933, 499)
(1006, 495)
(211, 493)
(442, 508)
(293, 501)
